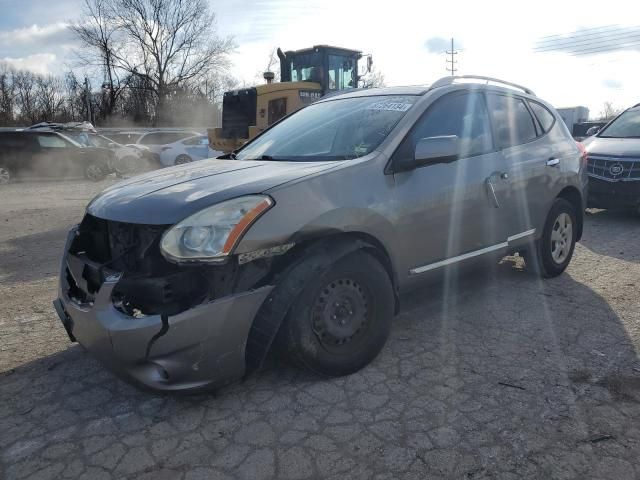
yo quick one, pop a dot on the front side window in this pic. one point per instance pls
(627, 125)
(464, 115)
(51, 141)
(340, 129)
(513, 122)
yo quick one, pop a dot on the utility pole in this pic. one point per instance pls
(451, 63)
(87, 98)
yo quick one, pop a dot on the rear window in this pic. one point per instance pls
(513, 122)
(544, 116)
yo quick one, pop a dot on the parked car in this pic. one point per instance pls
(125, 159)
(183, 279)
(187, 150)
(614, 163)
(49, 154)
(153, 141)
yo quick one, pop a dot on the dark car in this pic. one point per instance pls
(614, 163)
(29, 153)
(183, 278)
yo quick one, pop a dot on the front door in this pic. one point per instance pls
(450, 212)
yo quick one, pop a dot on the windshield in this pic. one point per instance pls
(335, 130)
(627, 125)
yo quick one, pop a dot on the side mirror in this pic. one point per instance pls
(437, 150)
(592, 131)
(112, 145)
(430, 150)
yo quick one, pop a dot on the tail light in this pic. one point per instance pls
(585, 154)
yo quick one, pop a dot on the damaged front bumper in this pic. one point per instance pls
(201, 347)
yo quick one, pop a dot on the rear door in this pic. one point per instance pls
(531, 164)
(446, 211)
(55, 157)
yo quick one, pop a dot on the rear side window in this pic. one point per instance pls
(464, 115)
(162, 138)
(513, 122)
(544, 116)
(12, 140)
(195, 141)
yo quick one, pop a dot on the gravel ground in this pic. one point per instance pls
(498, 376)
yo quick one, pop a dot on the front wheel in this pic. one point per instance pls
(555, 248)
(94, 172)
(5, 175)
(341, 320)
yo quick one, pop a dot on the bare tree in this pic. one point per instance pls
(102, 39)
(373, 79)
(26, 95)
(171, 43)
(7, 96)
(609, 111)
(49, 98)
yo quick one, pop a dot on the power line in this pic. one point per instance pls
(585, 31)
(451, 64)
(585, 41)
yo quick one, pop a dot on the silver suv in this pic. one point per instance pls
(184, 278)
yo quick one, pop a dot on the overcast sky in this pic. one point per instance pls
(406, 39)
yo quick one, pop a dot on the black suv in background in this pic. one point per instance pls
(30, 153)
(614, 162)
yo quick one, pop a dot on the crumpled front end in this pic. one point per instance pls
(157, 324)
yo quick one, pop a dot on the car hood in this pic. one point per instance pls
(616, 147)
(169, 195)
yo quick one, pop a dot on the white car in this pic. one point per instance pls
(187, 150)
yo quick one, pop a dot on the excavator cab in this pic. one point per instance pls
(333, 68)
(305, 76)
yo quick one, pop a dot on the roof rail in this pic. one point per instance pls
(450, 80)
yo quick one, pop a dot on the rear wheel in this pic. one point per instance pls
(182, 159)
(555, 248)
(5, 175)
(341, 320)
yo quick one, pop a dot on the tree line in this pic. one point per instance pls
(160, 63)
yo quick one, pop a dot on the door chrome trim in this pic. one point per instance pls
(518, 236)
(474, 253)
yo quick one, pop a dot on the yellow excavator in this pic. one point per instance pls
(305, 76)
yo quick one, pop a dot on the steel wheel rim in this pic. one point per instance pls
(5, 176)
(340, 313)
(94, 172)
(561, 238)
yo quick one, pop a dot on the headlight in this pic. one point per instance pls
(211, 234)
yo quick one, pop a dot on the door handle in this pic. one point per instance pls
(491, 191)
(552, 162)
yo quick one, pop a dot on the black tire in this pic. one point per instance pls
(94, 172)
(5, 175)
(182, 159)
(546, 263)
(335, 339)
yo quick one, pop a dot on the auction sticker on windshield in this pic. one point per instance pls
(391, 106)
